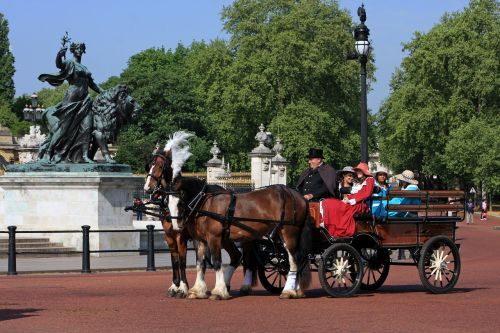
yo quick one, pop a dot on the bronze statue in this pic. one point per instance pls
(111, 109)
(74, 123)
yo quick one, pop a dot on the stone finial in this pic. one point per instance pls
(278, 147)
(215, 150)
(261, 137)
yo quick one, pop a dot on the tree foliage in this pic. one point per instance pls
(6, 64)
(284, 66)
(449, 78)
(472, 153)
(286, 62)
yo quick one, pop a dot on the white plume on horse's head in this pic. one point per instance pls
(178, 144)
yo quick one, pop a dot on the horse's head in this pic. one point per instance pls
(166, 165)
(159, 170)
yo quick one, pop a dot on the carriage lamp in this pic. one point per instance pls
(34, 112)
(362, 47)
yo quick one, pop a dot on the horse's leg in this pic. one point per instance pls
(199, 290)
(174, 255)
(235, 257)
(181, 241)
(220, 289)
(174, 210)
(249, 268)
(290, 289)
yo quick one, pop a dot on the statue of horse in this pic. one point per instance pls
(218, 218)
(110, 109)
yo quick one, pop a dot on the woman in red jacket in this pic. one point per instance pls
(338, 215)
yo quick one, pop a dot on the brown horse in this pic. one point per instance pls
(176, 239)
(215, 218)
(157, 183)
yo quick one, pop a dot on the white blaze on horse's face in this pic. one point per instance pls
(148, 180)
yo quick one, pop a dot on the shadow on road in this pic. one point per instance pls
(419, 289)
(8, 314)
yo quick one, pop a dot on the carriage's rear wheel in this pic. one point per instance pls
(439, 264)
(340, 270)
(273, 265)
(376, 263)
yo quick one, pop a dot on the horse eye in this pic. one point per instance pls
(146, 167)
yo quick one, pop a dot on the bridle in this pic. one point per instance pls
(158, 188)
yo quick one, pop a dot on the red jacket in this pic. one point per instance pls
(365, 192)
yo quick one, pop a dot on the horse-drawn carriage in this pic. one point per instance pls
(280, 242)
(363, 261)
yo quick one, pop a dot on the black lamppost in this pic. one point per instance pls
(33, 112)
(362, 47)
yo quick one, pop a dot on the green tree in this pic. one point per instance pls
(449, 77)
(473, 153)
(160, 81)
(6, 64)
(287, 60)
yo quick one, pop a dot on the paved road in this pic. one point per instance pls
(136, 301)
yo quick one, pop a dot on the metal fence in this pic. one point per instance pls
(86, 251)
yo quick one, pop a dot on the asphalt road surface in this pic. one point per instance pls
(137, 301)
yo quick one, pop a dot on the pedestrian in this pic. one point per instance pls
(484, 209)
(470, 212)
(138, 204)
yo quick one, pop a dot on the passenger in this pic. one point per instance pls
(346, 181)
(407, 182)
(338, 215)
(380, 190)
(319, 180)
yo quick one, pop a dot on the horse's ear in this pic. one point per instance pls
(146, 167)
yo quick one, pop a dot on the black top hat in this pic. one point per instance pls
(315, 153)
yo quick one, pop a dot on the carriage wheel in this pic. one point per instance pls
(439, 264)
(376, 267)
(340, 270)
(273, 265)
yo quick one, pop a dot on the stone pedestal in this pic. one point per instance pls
(58, 200)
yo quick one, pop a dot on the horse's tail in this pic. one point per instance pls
(304, 249)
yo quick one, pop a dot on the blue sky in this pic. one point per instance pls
(115, 30)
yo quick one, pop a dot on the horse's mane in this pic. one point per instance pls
(191, 186)
(179, 146)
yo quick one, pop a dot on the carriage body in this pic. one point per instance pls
(427, 232)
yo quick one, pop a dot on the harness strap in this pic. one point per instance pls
(229, 215)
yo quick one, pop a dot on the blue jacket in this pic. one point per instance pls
(405, 201)
(379, 206)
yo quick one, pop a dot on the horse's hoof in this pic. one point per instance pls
(215, 298)
(245, 290)
(301, 294)
(192, 296)
(171, 293)
(288, 294)
(180, 295)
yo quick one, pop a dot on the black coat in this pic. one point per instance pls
(327, 174)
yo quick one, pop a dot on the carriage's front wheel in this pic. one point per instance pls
(439, 264)
(340, 270)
